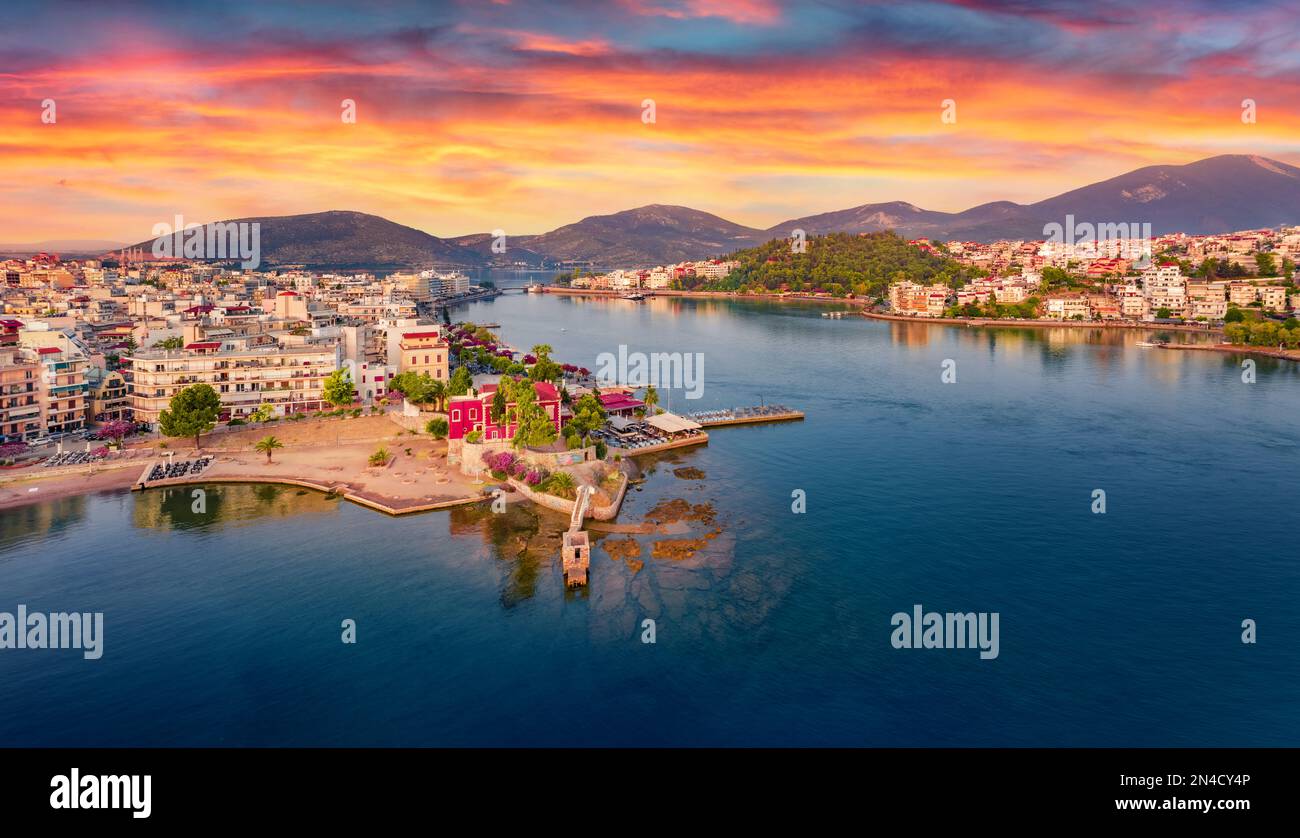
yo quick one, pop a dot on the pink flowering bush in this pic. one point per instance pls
(504, 463)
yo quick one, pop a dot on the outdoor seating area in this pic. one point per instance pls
(184, 468)
(735, 413)
(632, 436)
(72, 458)
(655, 430)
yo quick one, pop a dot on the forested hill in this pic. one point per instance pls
(839, 263)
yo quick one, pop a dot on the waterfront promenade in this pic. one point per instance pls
(1016, 323)
(863, 307)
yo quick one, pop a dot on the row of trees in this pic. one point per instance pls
(1264, 333)
(1026, 310)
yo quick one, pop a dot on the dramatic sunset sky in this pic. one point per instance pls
(527, 115)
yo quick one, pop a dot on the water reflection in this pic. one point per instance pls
(525, 541)
(39, 520)
(227, 504)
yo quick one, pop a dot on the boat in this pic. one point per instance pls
(535, 288)
(634, 297)
(1148, 343)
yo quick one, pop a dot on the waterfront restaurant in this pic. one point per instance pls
(620, 404)
(673, 426)
(664, 430)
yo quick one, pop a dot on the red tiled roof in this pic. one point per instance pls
(211, 344)
(619, 401)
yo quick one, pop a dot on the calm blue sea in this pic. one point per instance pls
(1121, 628)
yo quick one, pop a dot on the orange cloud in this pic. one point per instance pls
(478, 127)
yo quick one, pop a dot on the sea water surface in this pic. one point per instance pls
(1122, 628)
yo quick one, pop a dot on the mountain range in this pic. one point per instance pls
(1214, 195)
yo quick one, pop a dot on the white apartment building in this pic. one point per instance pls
(1132, 304)
(1165, 287)
(1067, 308)
(291, 379)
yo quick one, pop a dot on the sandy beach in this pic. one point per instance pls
(324, 455)
(35, 488)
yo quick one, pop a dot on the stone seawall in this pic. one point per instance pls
(598, 513)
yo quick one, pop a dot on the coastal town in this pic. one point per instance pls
(145, 375)
(1164, 280)
(97, 348)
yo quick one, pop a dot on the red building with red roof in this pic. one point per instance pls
(474, 413)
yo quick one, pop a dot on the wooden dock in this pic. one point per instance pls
(745, 416)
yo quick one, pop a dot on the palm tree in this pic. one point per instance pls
(266, 445)
(438, 392)
(561, 484)
(651, 396)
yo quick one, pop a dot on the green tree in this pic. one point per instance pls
(1234, 315)
(561, 484)
(545, 369)
(534, 426)
(266, 445)
(338, 388)
(588, 415)
(191, 412)
(438, 394)
(1265, 264)
(169, 344)
(651, 397)
(437, 428)
(461, 381)
(498, 411)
